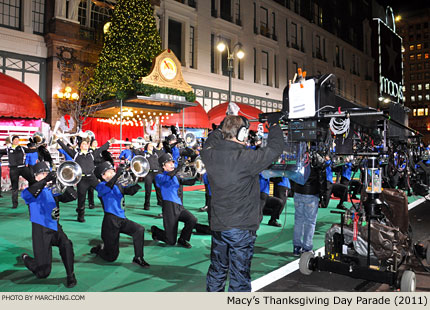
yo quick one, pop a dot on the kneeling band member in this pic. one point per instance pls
(114, 220)
(173, 210)
(46, 231)
(272, 206)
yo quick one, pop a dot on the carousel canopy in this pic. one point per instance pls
(17, 100)
(217, 114)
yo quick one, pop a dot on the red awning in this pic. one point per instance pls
(217, 114)
(194, 117)
(17, 100)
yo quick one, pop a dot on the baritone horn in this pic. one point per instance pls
(191, 169)
(190, 139)
(137, 168)
(69, 173)
(38, 138)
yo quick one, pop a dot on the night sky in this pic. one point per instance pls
(405, 5)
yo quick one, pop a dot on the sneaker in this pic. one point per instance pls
(153, 229)
(274, 223)
(297, 251)
(203, 209)
(141, 262)
(71, 281)
(184, 243)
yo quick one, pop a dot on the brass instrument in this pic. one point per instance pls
(191, 169)
(190, 139)
(38, 138)
(137, 168)
(69, 173)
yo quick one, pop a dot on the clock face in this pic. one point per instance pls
(168, 68)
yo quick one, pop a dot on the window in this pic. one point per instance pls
(237, 13)
(224, 57)
(419, 56)
(82, 13)
(10, 13)
(426, 111)
(412, 77)
(265, 68)
(255, 18)
(419, 66)
(420, 86)
(427, 97)
(419, 46)
(412, 98)
(411, 47)
(212, 53)
(286, 33)
(411, 37)
(412, 57)
(418, 26)
(426, 56)
(294, 35)
(264, 16)
(175, 38)
(318, 47)
(99, 16)
(427, 86)
(420, 97)
(255, 66)
(214, 12)
(420, 112)
(240, 69)
(225, 7)
(412, 87)
(192, 32)
(275, 68)
(337, 56)
(415, 112)
(295, 67)
(38, 11)
(301, 39)
(412, 67)
(274, 26)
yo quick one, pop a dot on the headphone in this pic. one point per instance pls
(242, 133)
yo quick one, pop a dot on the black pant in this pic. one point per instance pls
(91, 196)
(280, 192)
(83, 186)
(327, 196)
(111, 228)
(201, 228)
(15, 173)
(271, 206)
(172, 214)
(43, 240)
(149, 180)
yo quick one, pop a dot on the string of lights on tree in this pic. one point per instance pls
(130, 45)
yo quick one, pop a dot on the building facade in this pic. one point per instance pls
(415, 31)
(46, 44)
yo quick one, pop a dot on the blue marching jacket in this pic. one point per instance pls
(206, 182)
(347, 171)
(169, 187)
(41, 207)
(112, 198)
(264, 185)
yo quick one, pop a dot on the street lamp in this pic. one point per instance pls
(230, 56)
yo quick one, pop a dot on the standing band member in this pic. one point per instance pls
(86, 160)
(235, 205)
(17, 168)
(114, 220)
(152, 157)
(46, 231)
(173, 210)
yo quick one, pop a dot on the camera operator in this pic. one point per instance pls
(235, 212)
(306, 200)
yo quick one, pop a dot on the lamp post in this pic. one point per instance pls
(230, 56)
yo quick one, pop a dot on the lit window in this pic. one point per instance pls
(426, 56)
(412, 57)
(420, 97)
(420, 86)
(427, 97)
(426, 111)
(419, 56)
(412, 98)
(427, 86)
(412, 87)
(414, 112)
(411, 47)
(420, 112)
(419, 46)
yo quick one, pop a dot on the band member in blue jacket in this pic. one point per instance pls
(46, 230)
(173, 210)
(114, 220)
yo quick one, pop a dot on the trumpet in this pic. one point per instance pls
(137, 168)
(191, 169)
(69, 173)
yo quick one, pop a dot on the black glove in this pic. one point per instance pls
(51, 176)
(131, 190)
(273, 118)
(120, 169)
(55, 214)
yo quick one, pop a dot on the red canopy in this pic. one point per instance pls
(17, 100)
(194, 117)
(217, 113)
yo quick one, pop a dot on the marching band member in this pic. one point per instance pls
(17, 168)
(329, 182)
(114, 220)
(173, 209)
(46, 230)
(85, 159)
(281, 188)
(269, 205)
(127, 153)
(32, 156)
(171, 148)
(152, 157)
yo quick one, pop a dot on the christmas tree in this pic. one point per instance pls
(130, 44)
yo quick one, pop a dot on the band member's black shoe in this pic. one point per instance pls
(274, 223)
(184, 243)
(141, 262)
(91, 206)
(203, 209)
(154, 237)
(96, 249)
(81, 219)
(146, 208)
(71, 281)
(24, 256)
(14, 206)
